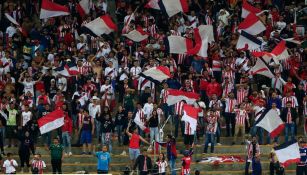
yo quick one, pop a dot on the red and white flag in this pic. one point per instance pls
(190, 115)
(101, 25)
(203, 35)
(172, 7)
(175, 96)
(271, 122)
(247, 9)
(84, 7)
(252, 25)
(50, 9)
(137, 35)
(153, 4)
(248, 42)
(156, 74)
(137, 120)
(51, 121)
(261, 69)
(178, 44)
(12, 20)
(288, 153)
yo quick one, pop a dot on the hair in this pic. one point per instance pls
(163, 158)
(9, 154)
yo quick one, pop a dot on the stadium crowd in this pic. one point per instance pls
(102, 99)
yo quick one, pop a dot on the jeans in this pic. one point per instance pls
(66, 142)
(154, 134)
(75, 120)
(120, 135)
(218, 133)
(230, 120)
(301, 170)
(177, 122)
(47, 138)
(172, 163)
(106, 139)
(2, 138)
(97, 129)
(290, 127)
(210, 138)
(24, 158)
(257, 131)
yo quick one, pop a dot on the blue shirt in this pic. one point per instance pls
(104, 160)
(303, 153)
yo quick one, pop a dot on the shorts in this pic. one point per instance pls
(133, 153)
(188, 139)
(86, 137)
(10, 133)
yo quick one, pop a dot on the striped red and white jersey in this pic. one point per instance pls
(152, 29)
(140, 113)
(241, 94)
(292, 99)
(163, 95)
(227, 88)
(230, 74)
(134, 71)
(212, 122)
(286, 64)
(217, 103)
(187, 129)
(179, 108)
(39, 164)
(208, 20)
(82, 70)
(241, 116)
(94, 43)
(124, 60)
(181, 58)
(145, 19)
(230, 105)
(217, 65)
(176, 33)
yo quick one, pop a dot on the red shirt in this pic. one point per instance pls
(214, 88)
(67, 124)
(134, 141)
(186, 166)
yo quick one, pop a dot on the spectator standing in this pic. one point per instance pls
(301, 168)
(66, 134)
(289, 116)
(253, 151)
(9, 165)
(26, 146)
(57, 155)
(143, 163)
(38, 165)
(104, 160)
(162, 164)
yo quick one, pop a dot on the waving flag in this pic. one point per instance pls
(137, 35)
(51, 121)
(172, 7)
(288, 153)
(261, 69)
(203, 35)
(190, 115)
(72, 68)
(157, 74)
(248, 42)
(153, 4)
(280, 51)
(252, 25)
(271, 122)
(101, 25)
(12, 20)
(177, 44)
(50, 9)
(137, 120)
(175, 96)
(84, 7)
(247, 9)
(62, 69)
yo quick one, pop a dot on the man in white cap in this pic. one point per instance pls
(94, 110)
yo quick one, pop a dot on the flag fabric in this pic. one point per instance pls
(72, 68)
(172, 7)
(222, 159)
(126, 27)
(203, 35)
(177, 44)
(51, 121)
(3, 114)
(137, 35)
(190, 115)
(252, 25)
(50, 9)
(293, 40)
(84, 7)
(288, 153)
(271, 122)
(62, 69)
(153, 4)
(101, 25)
(261, 69)
(175, 96)
(156, 74)
(247, 9)
(248, 42)
(280, 51)
(12, 20)
(137, 120)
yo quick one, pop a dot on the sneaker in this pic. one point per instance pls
(209, 144)
(123, 153)
(70, 153)
(219, 144)
(21, 170)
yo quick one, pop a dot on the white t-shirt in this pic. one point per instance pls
(9, 168)
(10, 31)
(28, 86)
(93, 110)
(148, 108)
(26, 116)
(62, 83)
